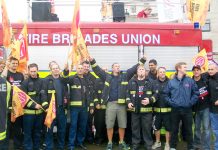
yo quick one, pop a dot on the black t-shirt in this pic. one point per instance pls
(15, 78)
(141, 85)
(113, 95)
(59, 92)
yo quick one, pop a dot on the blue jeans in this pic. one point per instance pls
(78, 122)
(32, 127)
(214, 125)
(202, 118)
(61, 122)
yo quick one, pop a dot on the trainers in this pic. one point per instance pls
(123, 146)
(167, 147)
(109, 146)
(156, 145)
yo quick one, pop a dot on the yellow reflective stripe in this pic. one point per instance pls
(132, 110)
(148, 92)
(141, 63)
(106, 83)
(8, 92)
(2, 135)
(51, 91)
(76, 87)
(44, 103)
(76, 103)
(102, 100)
(94, 65)
(31, 93)
(32, 112)
(149, 109)
(124, 83)
(121, 101)
(154, 99)
(62, 74)
(132, 92)
(95, 100)
(91, 104)
(99, 91)
(29, 103)
(163, 110)
(103, 106)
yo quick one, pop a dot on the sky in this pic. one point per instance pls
(20, 10)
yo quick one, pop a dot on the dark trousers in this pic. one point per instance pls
(89, 132)
(142, 122)
(184, 115)
(32, 127)
(16, 130)
(60, 121)
(100, 126)
(78, 123)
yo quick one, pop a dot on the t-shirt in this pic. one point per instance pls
(141, 87)
(15, 78)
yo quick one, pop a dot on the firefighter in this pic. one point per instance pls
(2, 65)
(5, 90)
(90, 78)
(33, 112)
(141, 96)
(79, 105)
(114, 95)
(99, 115)
(14, 78)
(55, 83)
(152, 74)
(161, 110)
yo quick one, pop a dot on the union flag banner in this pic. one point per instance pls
(24, 56)
(201, 60)
(6, 27)
(19, 100)
(197, 10)
(79, 50)
(51, 114)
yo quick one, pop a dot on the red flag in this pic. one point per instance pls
(6, 27)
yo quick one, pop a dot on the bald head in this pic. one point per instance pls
(212, 69)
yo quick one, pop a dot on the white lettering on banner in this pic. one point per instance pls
(140, 39)
(44, 39)
(58, 38)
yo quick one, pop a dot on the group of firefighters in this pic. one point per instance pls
(136, 101)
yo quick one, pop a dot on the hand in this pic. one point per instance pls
(130, 105)
(145, 101)
(145, 56)
(66, 67)
(98, 106)
(65, 100)
(216, 103)
(90, 58)
(91, 111)
(38, 106)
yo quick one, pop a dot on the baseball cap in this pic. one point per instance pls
(196, 67)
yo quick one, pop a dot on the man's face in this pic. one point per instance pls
(141, 72)
(212, 69)
(2, 66)
(86, 68)
(182, 69)
(80, 70)
(13, 65)
(161, 73)
(152, 67)
(116, 68)
(55, 70)
(196, 72)
(33, 71)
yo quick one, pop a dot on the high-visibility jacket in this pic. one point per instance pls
(148, 91)
(123, 81)
(5, 89)
(98, 88)
(33, 88)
